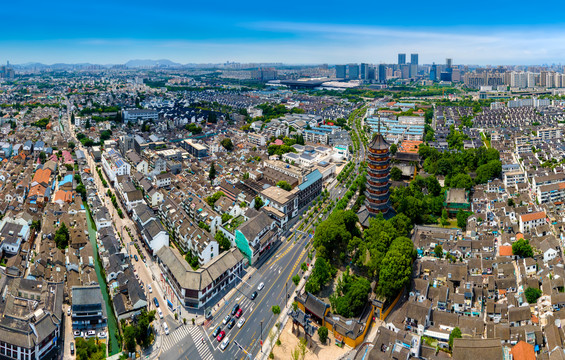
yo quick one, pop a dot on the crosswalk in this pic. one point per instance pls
(201, 346)
(182, 332)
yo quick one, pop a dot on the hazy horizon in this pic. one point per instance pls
(296, 33)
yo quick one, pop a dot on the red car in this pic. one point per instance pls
(221, 335)
(238, 313)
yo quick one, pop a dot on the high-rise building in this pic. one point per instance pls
(364, 71)
(449, 63)
(372, 73)
(433, 72)
(382, 73)
(401, 59)
(405, 71)
(353, 71)
(414, 59)
(340, 71)
(378, 175)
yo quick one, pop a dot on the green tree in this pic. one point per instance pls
(296, 279)
(227, 144)
(323, 334)
(462, 217)
(276, 309)
(284, 185)
(393, 149)
(462, 181)
(455, 334)
(522, 248)
(62, 236)
(258, 203)
(223, 242)
(532, 295)
(510, 202)
(438, 251)
(321, 274)
(395, 174)
(212, 173)
(129, 338)
(395, 272)
(434, 188)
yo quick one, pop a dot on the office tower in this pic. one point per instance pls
(405, 71)
(414, 59)
(449, 63)
(456, 75)
(413, 70)
(364, 71)
(433, 72)
(378, 174)
(340, 71)
(353, 71)
(382, 73)
(372, 73)
(401, 59)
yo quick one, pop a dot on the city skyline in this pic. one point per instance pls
(196, 33)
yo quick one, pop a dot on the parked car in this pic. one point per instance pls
(261, 286)
(76, 333)
(216, 331)
(91, 333)
(166, 328)
(225, 343)
(226, 319)
(231, 323)
(149, 288)
(160, 313)
(221, 335)
(209, 315)
(254, 295)
(69, 311)
(72, 348)
(102, 334)
(238, 313)
(241, 322)
(234, 310)
(156, 302)
(136, 258)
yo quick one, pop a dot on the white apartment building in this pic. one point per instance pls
(256, 139)
(114, 164)
(511, 178)
(532, 220)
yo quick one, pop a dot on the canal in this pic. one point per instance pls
(113, 346)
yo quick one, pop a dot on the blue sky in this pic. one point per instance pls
(300, 32)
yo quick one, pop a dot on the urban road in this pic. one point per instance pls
(276, 274)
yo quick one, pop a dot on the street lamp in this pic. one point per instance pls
(261, 335)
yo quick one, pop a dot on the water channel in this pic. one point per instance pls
(113, 347)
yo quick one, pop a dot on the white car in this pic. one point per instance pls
(166, 328)
(91, 333)
(149, 288)
(102, 334)
(160, 313)
(261, 286)
(241, 322)
(225, 343)
(226, 319)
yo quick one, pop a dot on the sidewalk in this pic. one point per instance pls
(283, 317)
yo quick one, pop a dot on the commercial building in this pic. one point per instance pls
(88, 310)
(255, 236)
(354, 71)
(31, 317)
(341, 71)
(139, 115)
(196, 288)
(194, 149)
(401, 59)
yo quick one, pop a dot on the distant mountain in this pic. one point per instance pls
(151, 63)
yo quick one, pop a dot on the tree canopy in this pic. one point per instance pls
(227, 144)
(522, 248)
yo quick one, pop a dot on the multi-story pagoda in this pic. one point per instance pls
(378, 176)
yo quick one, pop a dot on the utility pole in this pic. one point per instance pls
(261, 335)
